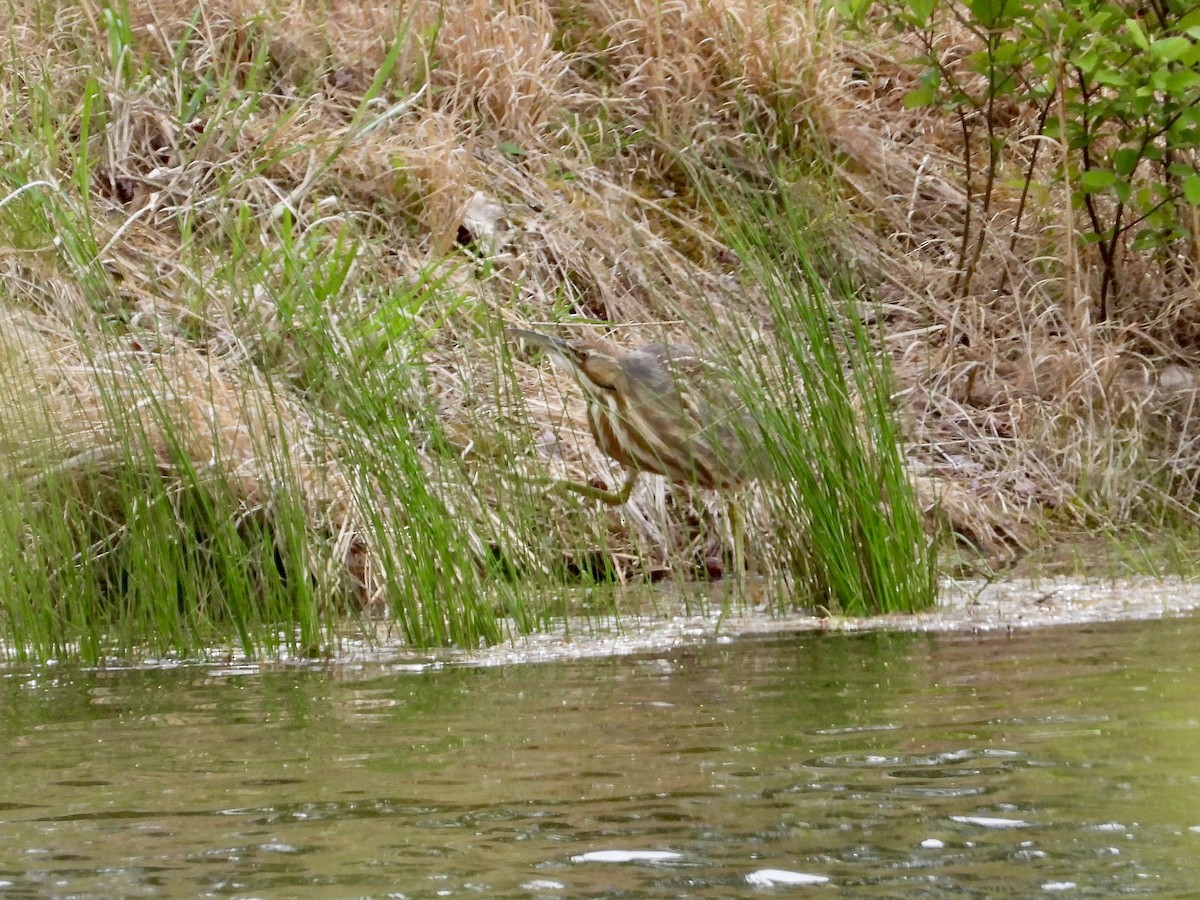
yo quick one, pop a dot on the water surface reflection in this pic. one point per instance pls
(1060, 760)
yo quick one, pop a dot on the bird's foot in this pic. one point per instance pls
(611, 498)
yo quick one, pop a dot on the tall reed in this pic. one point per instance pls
(820, 393)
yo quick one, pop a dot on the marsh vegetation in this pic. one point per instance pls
(258, 265)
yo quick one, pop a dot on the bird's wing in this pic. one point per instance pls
(703, 389)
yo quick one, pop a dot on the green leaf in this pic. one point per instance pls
(981, 10)
(1088, 62)
(994, 13)
(1169, 48)
(925, 95)
(1136, 34)
(921, 11)
(1007, 52)
(1079, 141)
(1094, 180)
(1184, 134)
(1180, 81)
(1191, 189)
(1191, 115)
(1147, 239)
(1125, 160)
(1112, 78)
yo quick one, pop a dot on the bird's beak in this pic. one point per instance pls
(549, 343)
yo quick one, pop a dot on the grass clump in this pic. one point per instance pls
(831, 438)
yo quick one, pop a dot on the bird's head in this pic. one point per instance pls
(596, 365)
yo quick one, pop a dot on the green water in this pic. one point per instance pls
(825, 755)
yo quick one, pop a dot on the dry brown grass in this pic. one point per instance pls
(1024, 403)
(67, 413)
(570, 116)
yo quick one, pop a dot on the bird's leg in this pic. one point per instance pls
(612, 498)
(743, 567)
(737, 528)
(735, 586)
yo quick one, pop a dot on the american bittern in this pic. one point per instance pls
(656, 409)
